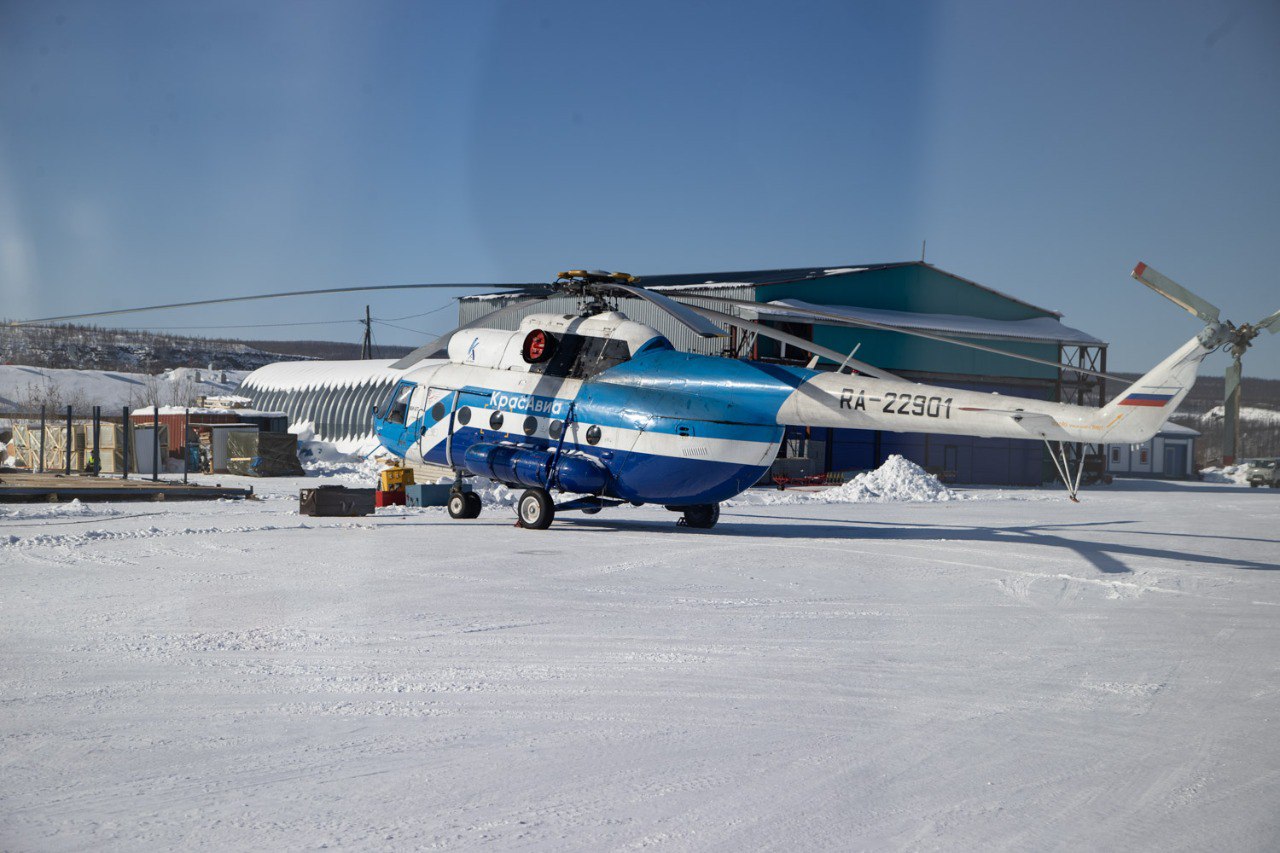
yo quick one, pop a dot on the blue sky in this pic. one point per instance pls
(169, 151)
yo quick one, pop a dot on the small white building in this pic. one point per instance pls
(1170, 455)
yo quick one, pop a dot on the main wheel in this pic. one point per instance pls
(702, 516)
(536, 509)
(464, 505)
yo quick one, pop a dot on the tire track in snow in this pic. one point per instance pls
(56, 540)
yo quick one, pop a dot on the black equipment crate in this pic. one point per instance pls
(335, 500)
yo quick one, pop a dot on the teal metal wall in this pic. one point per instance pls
(919, 289)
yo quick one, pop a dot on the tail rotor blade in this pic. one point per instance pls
(1176, 293)
(1231, 412)
(1271, 324)
(1232, 387)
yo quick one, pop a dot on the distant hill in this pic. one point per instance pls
(325, 350)
(93, 348)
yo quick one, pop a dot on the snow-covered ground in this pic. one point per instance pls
(1003, 670)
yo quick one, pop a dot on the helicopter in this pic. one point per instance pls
(604, 411)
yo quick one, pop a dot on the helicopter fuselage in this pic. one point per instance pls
(604, 406)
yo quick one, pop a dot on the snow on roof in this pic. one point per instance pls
(706, 285)
(196, 411)
(303, 375)
(1171, 428)
(22, 386)
(1036, 329)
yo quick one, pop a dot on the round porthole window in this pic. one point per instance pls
(555, 428)
(593, 435)
(495, 420)
(530, 425)
(437, 411)
(464, 415)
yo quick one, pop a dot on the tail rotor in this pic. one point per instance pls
(1235, 339)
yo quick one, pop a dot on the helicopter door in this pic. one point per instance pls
(436, 404)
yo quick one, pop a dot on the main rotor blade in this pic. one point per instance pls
(1176, 293)
(795, 341)
(1271, 324)
(843, 320)
(428, 350)
(516, 287)
(700, 326)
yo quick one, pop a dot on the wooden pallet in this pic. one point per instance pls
(21, 487)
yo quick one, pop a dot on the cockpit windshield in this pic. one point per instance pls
(581, 357)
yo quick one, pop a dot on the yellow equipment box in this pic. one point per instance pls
(396, 478)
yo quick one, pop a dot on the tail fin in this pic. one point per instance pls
(1139, 411)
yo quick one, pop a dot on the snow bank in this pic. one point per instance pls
(898, 480)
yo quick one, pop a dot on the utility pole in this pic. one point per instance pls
(366, 348)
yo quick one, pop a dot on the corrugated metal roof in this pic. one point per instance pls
(298, 375)
(709, 280)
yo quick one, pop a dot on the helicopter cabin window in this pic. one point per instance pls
(398, 411)
(579, 357)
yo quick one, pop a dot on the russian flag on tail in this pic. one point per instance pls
(1156, 400)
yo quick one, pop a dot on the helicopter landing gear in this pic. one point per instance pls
(700, 517)
(464, 505)
(535, 509)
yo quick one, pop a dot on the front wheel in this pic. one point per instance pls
(701, 517)
(535, 509)
(464, 505)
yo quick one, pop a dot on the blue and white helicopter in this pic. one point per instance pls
(606, 411)
(603, 409)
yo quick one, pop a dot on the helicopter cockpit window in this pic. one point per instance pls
(398, 411)
(598, 355)
(578, 357)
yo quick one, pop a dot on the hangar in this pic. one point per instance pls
(335, 397)
(916, 295)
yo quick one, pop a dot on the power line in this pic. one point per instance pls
(424, 314)
(405, 328)
(240, 326)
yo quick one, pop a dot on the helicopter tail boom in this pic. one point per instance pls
(861, 402)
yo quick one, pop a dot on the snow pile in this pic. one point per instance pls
(329, 459)
(898, 480)
(75, 508)
(1237, 475)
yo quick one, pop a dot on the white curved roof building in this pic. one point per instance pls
(334, 397)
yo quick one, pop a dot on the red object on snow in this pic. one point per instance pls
(381, 498)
